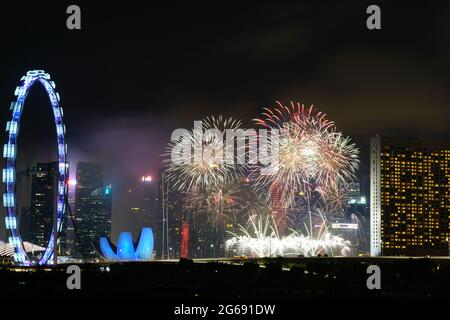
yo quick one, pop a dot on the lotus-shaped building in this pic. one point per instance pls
(126, 249)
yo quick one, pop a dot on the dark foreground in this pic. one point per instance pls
(271, 279)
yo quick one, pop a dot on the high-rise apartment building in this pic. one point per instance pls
(410, 197)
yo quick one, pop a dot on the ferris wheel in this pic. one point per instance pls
(10, 174)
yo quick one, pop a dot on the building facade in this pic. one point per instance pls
(410, 197)
(43, 200)
(67, 236)
(93, 207)
(144, 205)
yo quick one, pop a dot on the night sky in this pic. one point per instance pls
(137, 71)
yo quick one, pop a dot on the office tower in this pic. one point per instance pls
(173, 213)
(43, 199)
(92, 208)
(354, 195)
(410, 197)
(143, 203)
(176, 216)
(67, 241)
(357, 212)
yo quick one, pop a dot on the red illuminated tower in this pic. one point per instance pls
(184, 252)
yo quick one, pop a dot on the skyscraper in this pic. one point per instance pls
(67, 236)
(143, 203)
(43, 195)
(354, 195)
(175, 214)
(357, 212)
(410, 197)
(92, 208)
(173, 211)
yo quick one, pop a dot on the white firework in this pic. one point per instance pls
(204, 166)
(264, 241)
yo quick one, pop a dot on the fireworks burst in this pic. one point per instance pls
(336, 201)
(265, 241)
(203, 150)
(314, 165)
(221, 205)
(313, 156)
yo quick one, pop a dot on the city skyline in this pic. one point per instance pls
(151, 219)
(348, 72)
(205, 159)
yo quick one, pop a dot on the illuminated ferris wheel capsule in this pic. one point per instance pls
(9, 172)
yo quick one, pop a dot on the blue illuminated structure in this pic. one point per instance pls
(9, 172)
(126, 249)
